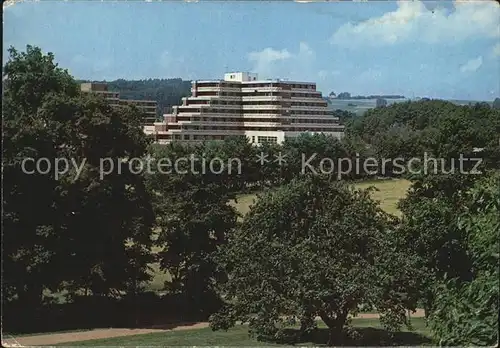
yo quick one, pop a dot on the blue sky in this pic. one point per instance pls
(434, 49)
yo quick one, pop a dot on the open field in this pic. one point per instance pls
(159, 278)
(388, 193)
(358, 106)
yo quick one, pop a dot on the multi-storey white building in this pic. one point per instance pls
(262, 110)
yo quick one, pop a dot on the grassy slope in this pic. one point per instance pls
(370, 330)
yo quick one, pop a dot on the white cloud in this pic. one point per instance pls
(273, 63)
(263, 60)
(412, 21)
(269, 55)
(472, 65)
(305, 50)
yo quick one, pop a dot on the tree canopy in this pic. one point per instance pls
(312, 248)
(77, 232)
(496, 103)
(450, 223)
(475, 299)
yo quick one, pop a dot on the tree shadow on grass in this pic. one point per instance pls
(367, 336)
(147, 310)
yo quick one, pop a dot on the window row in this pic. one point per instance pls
(255, 128)
(265, 140)
(269, 120)
(258, 93)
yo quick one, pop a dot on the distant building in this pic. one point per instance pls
(113, 98)
(242, 105)
(148, 107)
(380, 102)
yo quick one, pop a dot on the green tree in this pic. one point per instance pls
(496, 103)
(312, 149)
(240, 152)
(74, 232)
(439, 128)
(29, 213)
(312, 248)
(466, 310)
(429, 229)
(381, 102)
(193, 218)
(344, 95)
(344, 116)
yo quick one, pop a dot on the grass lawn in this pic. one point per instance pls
(33, 334)
(370, 334)
(389, 193)
(157, 283)
(243, 202)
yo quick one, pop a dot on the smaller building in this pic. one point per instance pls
(148, 107)
(113, 98)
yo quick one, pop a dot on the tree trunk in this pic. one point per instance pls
(335, 325)
(428, 307)
(333, 336)
(31, 297)
(31, 301)
(306, 326)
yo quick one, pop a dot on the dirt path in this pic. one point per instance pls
(418, 314)
(57, 338)
(66, 337)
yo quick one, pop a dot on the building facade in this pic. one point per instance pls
(113, 98)
(242, 105)
(148, 107)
